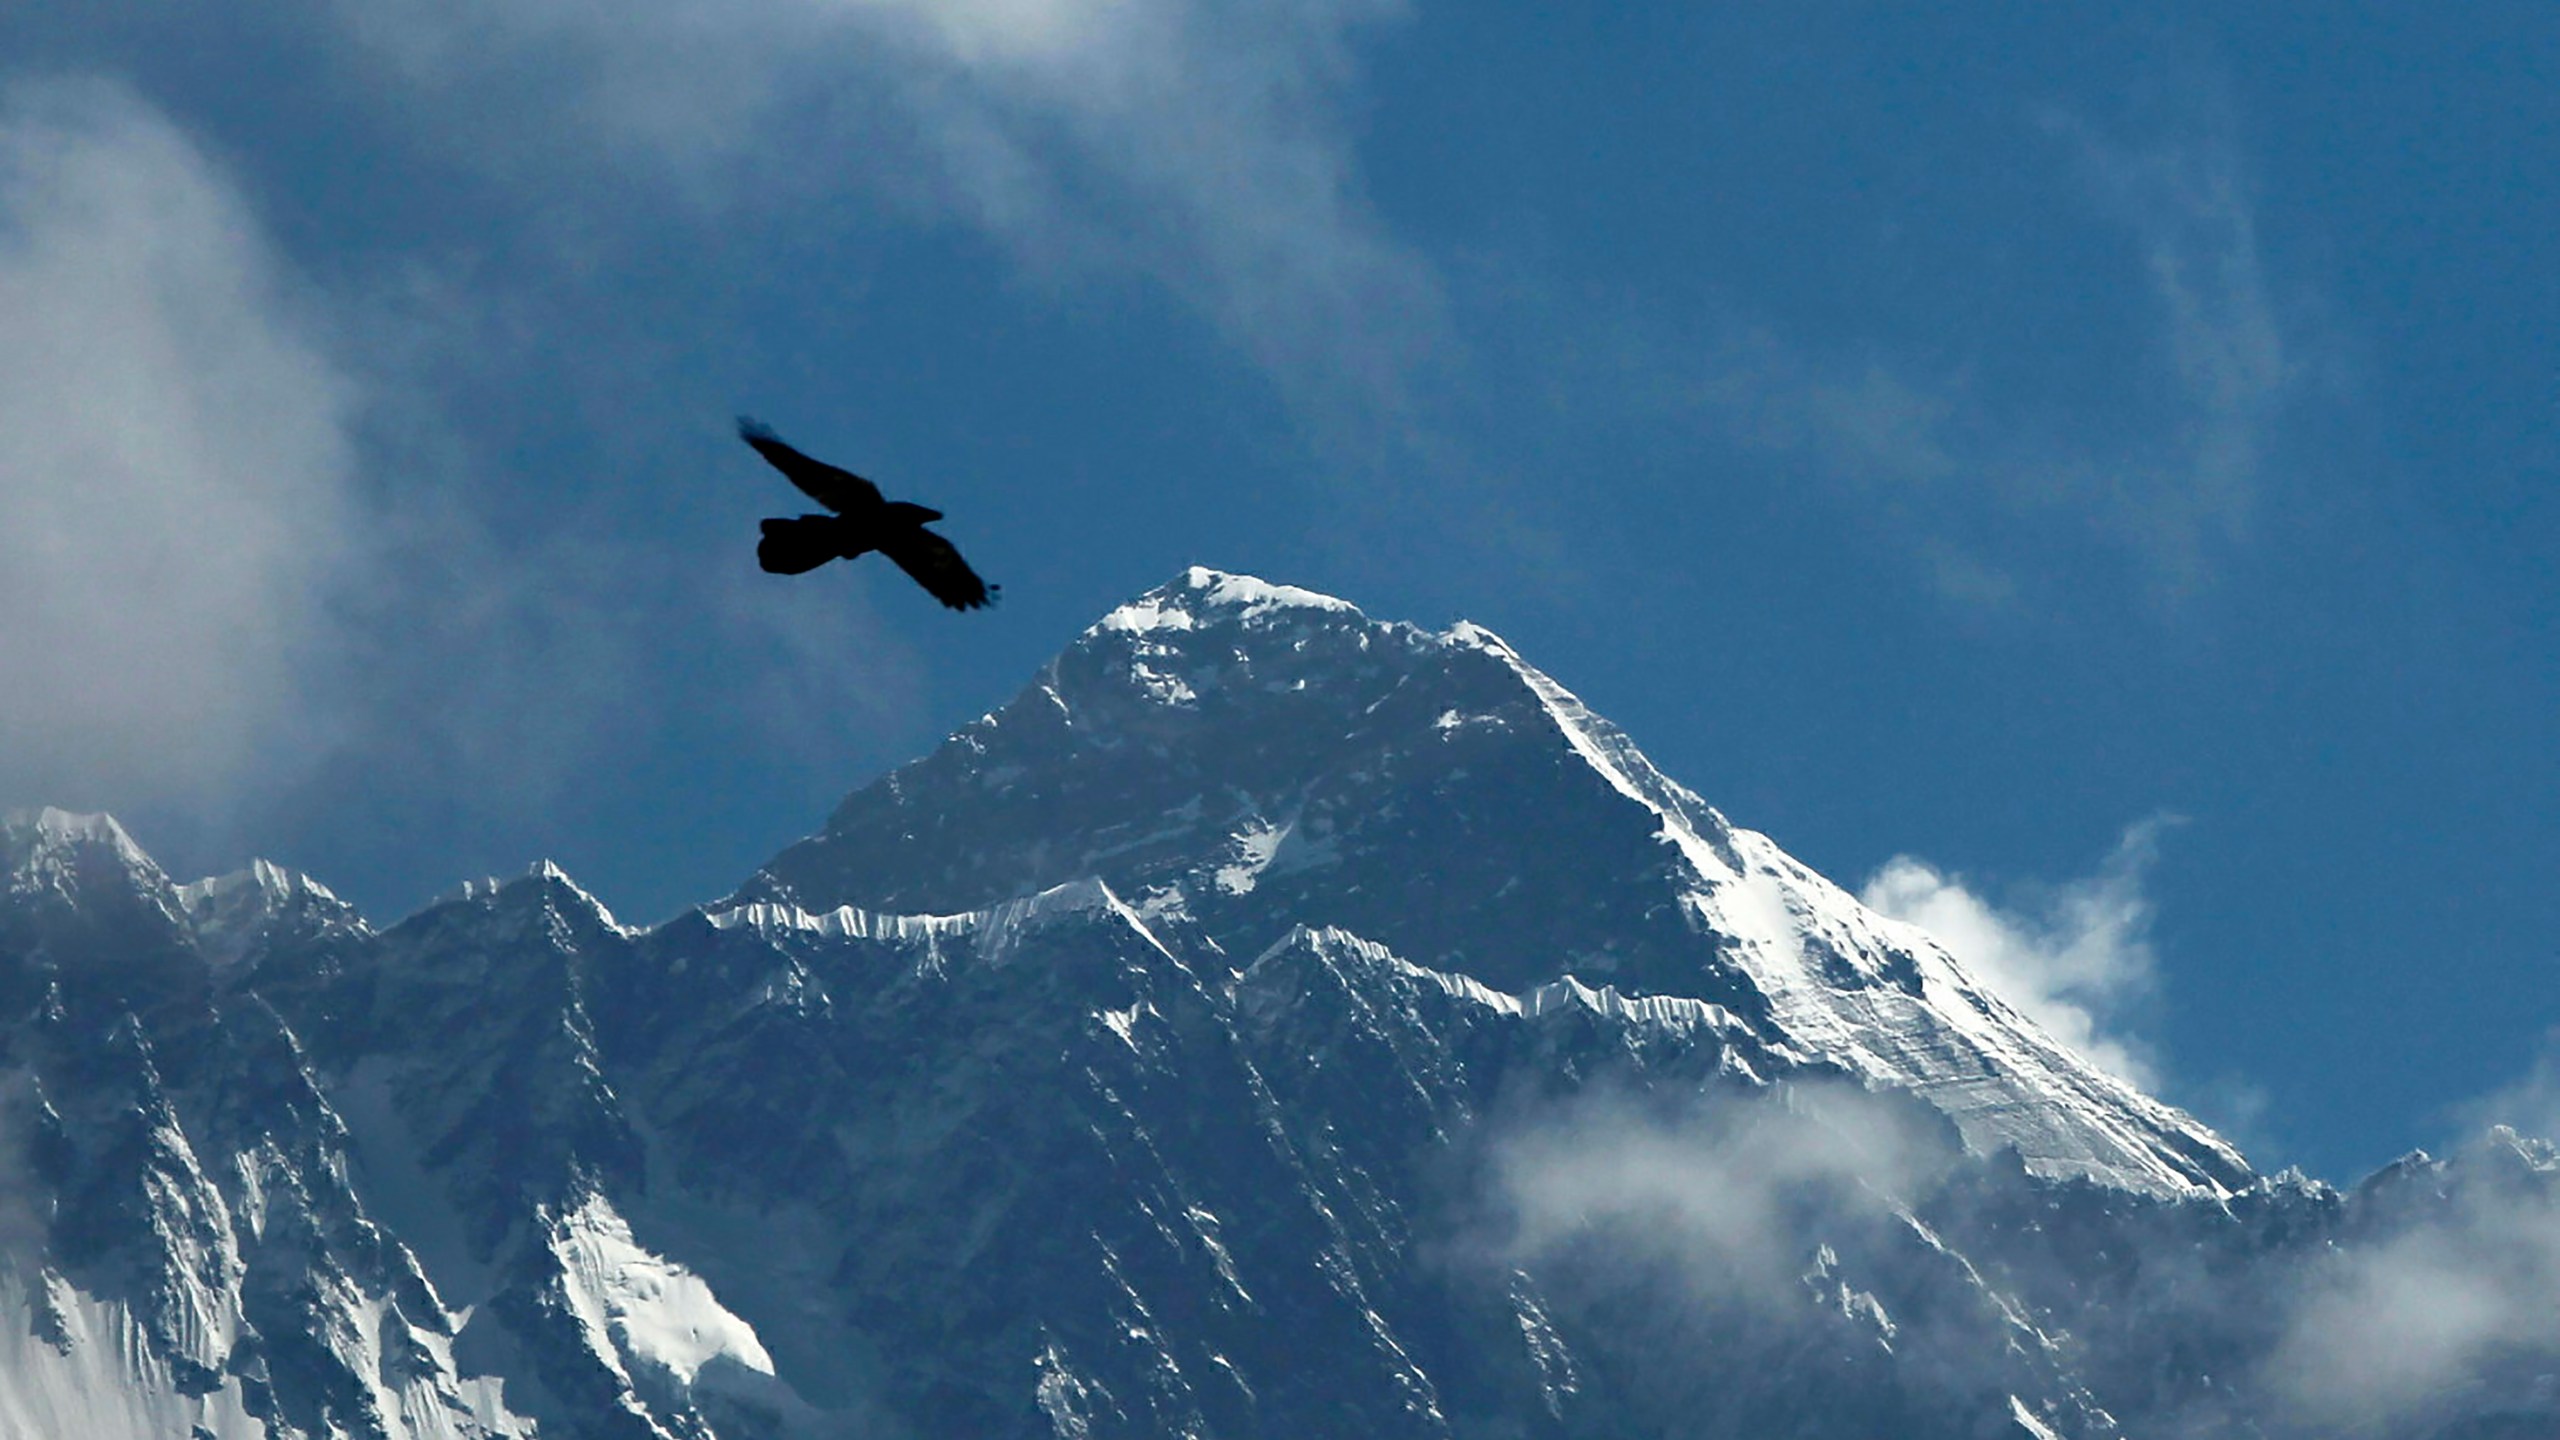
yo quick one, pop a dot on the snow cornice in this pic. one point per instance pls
(995, 929)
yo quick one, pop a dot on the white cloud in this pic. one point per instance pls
(244, 588)
(2070, 960)
(1198, 143)
(174, 462)
(2382, 1328)
(1720, 1187)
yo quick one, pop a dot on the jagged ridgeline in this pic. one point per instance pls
(1272, 1023)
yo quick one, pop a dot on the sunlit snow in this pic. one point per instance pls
(648, 1308)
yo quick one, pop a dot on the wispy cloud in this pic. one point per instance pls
(2529, 1105)
(2220, 342)
(1720, 1188)
(801, 674)
(2434, 1302)
(1200, 144)
(1981, 488)
(2072, 957)
(175, 462)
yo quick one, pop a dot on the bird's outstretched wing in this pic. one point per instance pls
(839, 490)
(937, 567)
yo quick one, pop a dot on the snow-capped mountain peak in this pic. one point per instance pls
(48, 847)
(1240, 758)
(231, 914)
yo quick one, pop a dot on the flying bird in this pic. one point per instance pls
(863, 521)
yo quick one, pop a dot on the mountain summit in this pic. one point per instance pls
(1237, 759)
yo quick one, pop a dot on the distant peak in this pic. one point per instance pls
(69, 827)
(264, 875)
(537, 885)
(61, 844)
(231, 913)
(547, 875)
(2504, 1146)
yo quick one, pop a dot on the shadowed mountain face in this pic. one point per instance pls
(1272, 1023)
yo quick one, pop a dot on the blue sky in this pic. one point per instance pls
(2085, 475)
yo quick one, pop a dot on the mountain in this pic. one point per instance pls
(1239, 759)
(1271, 1022)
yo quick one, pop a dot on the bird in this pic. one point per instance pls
(863, 521)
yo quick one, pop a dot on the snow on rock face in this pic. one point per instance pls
(84, 1373)
(75, 857)
(644, 1310)
(1303, 774)
(77, 885)
(1244, 758)
(46, 835)
(233, 914)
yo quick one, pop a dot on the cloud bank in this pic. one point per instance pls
(175, 465)
(2456, 1289)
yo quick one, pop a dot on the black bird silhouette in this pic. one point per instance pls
(863, 521)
